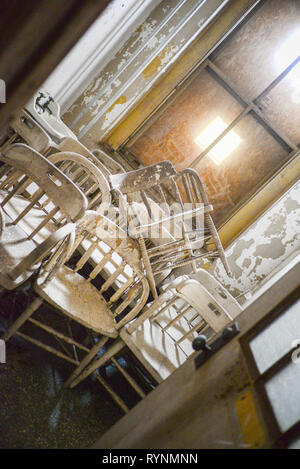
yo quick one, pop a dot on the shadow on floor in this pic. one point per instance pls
(35, 412)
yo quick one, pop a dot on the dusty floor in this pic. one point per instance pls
(35, 412)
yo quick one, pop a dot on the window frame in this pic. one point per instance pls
(258, 380)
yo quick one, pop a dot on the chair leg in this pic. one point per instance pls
(22, 318)
(148, 267)
(218, 244)
(115, 348)
(93, 352)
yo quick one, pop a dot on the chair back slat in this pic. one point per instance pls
(86, 175)
(110, 261)
(63, 193)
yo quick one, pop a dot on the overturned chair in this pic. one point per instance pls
(94, 293)
(171, 210)
(39, 206)
(160, 339)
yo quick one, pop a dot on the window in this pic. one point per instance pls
(272, 352)
(226, 145)
(247, 92)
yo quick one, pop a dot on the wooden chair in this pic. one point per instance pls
(35, 136)
(31, 132)
(91, 178)
(86, 176)
(104, 162)
(33, 195)
(181, 236)
(160, 339)
(69, 144)
(95, 293)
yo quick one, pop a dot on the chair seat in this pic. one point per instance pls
(30, 221)
(14, 247)
(158, 348)
(78, 299)
(155, 349)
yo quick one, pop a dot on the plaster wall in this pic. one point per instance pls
(265, 247)
(136, 67)
(95, 49)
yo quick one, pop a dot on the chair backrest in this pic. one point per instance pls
(30, 131)
(87, 177)
(30, 185)
(105, 256)
(221, 297)
(163, 191)
(143, 178)
(72, 145)
(161, 337)
(178, 194)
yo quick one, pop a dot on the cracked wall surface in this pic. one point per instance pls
(265, 247)
(136, 67)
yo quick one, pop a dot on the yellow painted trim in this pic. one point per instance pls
(251, 428)
(120, 100)
(182, 67)
(196, 52)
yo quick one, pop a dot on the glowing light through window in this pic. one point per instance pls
(285, 55)
(224, 147)
(288, 51)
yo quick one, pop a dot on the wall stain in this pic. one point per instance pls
(120, 100)
(157, 62)
(272, 250)
(260, 250)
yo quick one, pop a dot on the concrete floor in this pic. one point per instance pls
(35, 412)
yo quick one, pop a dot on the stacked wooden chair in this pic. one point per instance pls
(95, 293)
(39, 206)
(172, 210)
(160, 339)
(58, 201)
(73, 158)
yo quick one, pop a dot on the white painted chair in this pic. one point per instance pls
(99, 287)
(178, 212)
(161, 337)
(33, 195)
(86, 176)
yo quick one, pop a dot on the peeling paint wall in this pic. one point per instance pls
(94, 50)
(144, 58)
(264, 248)
(172, 137)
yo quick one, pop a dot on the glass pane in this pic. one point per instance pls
(256, 54)
(230, 183)
(283, 391)
(283, 101)
(277, 339)
(172, 136)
